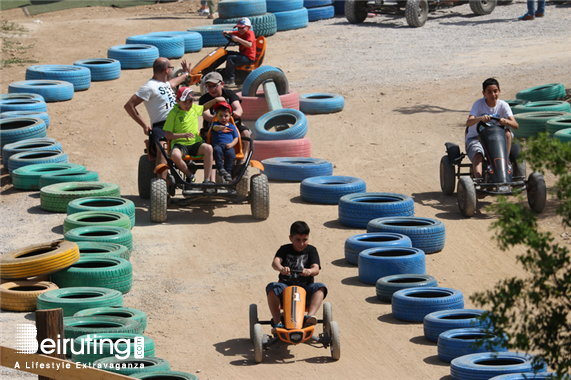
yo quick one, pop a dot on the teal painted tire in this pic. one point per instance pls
(107, 345)
(552, 91)
(42, 143)
(104, 234)
(117, 204)
(557, 124)
(68, 176)
(165, 375)
(35, 157)
(563, 135)
(56, 197)
(132, 365)
(116, 311)
(96, 219)
(542, 106)
(533, 123)
(103, 249)
(28, 177)
(72, 300)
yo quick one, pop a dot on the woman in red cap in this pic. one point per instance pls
(247, 50)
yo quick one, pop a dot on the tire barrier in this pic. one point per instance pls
(79, 77)
(530, 376)
(296, 168)
(387, 286)
(51, 90)
(212, 35)
(104, 234)
(262, 25)
(56, 197)
(38, 144)
(117, 204)
(320, 13)
(142, 365)
(26, 104)
(74, 327)
(107, 345)
(355, 244)
(68, 176)
(164, 375)
(425, 233)
(533, 123)
(255, 107)
(558, 123)
(438, 322)
(290, 20)
(29, 177)
(463, 341)
(329, 189)
(552, 91)
(356, 210)
(416, 303)
(103, 249)
(22, 295)
(72, 300)
(263, 73)
(21, 128)
(13, 114)
(486, 365)
(241, 8)
(192, 40)
(321, 103)
(283, 5)
(281, 124)
(563, 135)
(542, 106)
(21, 96)
(134, 56)
(265, 149)
(116, 311)
(171, 47)
(102, 69)
(20, 160)
(378, 262)
(96, 219)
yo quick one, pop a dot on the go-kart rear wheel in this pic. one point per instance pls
(466, 196)
(146, 174)
(260, 196)
(356, 11)
(258, 343)
(242, 186)
(536, 192)
(447, 176)
(335, 341)
(327, 317)
(416, 12)
(253, 319)
(482, 7)
(519, 169)
(159, 200)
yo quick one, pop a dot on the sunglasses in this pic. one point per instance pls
(212, 86)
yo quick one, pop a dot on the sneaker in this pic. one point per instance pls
(226, 177)
(310, 320)
(276, 327)
(212, 16)
(203, 12)
(526, 17)
(209, 189)
(538, 14)
(190, 179)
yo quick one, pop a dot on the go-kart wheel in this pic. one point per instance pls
(146, 174)
(242, 186)
(416, 12)
(466, 196)
(447, 176)
(482, 7)
(519, 169)
(327, 317)
(253, 319)
(258, 343)
(356, 11)
(335, 341)
(536, 192)
(159, 199)
(260, 196)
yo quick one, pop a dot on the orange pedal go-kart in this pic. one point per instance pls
(293, 312)
(218, 57)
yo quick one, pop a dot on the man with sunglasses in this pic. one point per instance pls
(159, 99)
(215, 86)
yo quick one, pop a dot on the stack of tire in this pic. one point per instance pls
(230, 12)
(319, 9)
(192, 40)
(168, 46)
(290, 14)
(539, 105)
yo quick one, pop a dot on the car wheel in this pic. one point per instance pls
(447, 176)
(466, 196)
(159, 199)
(416, 12)
(536, 192)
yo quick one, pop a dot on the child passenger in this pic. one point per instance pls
(224, 138)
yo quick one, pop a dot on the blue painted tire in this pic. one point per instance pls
(284, 116)
(480, 366)
(416, 303)
(27, 145)
(21, 128)
(425, 233)
(134, 56)
(116, 204)
(356, 210)
(329, 189)
(80, 77)
(387, 286)
(339, 7)
(192, 40)
(290, 20)
(552, 91)
(258, 76)
(22, 102)
(170, 47)
(68, 176)
(320, 13)
(378, 262)
(241, 8)
(462, 341)
(102, 69)
(41, 114)
(105, 234)
(530, 376)
(316, 3)
(51, 90)
(283, 5)
(262, 25)
(320, 103)
(296, 168)
(564, 135)
(438, 322)
(356, 244)
(22, 159)
(543, 106)
(212, 35)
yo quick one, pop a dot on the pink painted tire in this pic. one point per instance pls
(256, 106)
(264, 149)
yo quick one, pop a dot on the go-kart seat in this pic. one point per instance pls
(260, 54)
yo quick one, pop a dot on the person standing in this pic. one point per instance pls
(531, 12)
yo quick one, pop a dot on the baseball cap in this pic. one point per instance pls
(243, 22)
(223, 105)
(184, 93)
(213, 77)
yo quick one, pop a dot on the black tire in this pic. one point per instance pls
(356, 11)
(426, 234)
(171, 47)
(72, 300)
(116, 204)
(134, 56)
(107, 348)
(260, 196)
(505, 2)
(242, 186)
(258, 343)
(387, 286)
(552, 91)
(356, 210)
(281, 124)
(102, 69)
(458, 342)
(164, 375)
(487, 365)
(56, 197)
(143, 365)
(482, 7)
(103, 249)
(447, 176)
(329, 189)
(321, 103)
(327, 317)
(255, 79)
(21, 128)
(159, 200)
(253, 314)
(466, 196)
(358, 243)
(440, 321)
(79, 76)
(536, 192)
(378, 262)
(146, 174)
(296, 168)
(116, 311)
(22, 159)
(416, 12)
(51, 90)
(416, 303)
(104, 234)
(335, 341)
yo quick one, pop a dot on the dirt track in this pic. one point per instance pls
(196, 286)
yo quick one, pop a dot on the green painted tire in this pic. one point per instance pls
(533, 123)
(103, 249)
(116, 204)
(68, 176)
(56, 197)
(564, 135)
(542, 106)
(28, 177)
(515, 102)
(151, 365)
(104, 347)
(116, 311)
(96, 219)
(164, 375)
(105, 234)
(550, 91)
(96, 271)
(557, 124)
(72, 300)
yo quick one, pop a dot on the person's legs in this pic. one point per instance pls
(234, 59)
(315, 303)
(158, 137)
(530, 7)
(211, 6)
(176, 156)
(218, 155)
(274, 292)
(508, 140)
(229, 158)
(477, 165)
(540, 8)
(206, 151)
(316, 292)
(245, 144)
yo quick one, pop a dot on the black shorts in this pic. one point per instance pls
(156, 135)
(189, 150)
